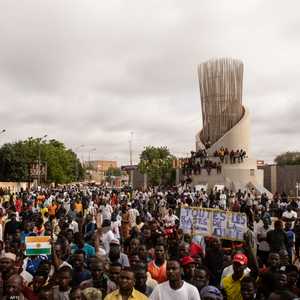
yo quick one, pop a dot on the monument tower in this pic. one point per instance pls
(226, 122)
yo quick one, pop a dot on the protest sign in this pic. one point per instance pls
(37, 245)
(213, 222)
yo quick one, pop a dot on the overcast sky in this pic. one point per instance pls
(90, 72)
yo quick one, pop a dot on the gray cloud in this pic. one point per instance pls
(87, 72)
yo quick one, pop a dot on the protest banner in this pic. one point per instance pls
(213, 222)
(37, 245)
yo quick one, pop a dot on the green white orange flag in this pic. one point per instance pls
(37, 245)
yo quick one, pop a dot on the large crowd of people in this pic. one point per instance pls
(122, 244)
(199, 161)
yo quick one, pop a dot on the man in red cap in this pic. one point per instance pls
(232, 283)
(189, 265)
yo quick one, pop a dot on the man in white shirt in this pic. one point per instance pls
(263, 245)
(107, 235)
(175, 288)
(223, 201)
(133, 213)
(289, 215)
(106, 210)
(73, 225)
(115, 226)
(170, 219)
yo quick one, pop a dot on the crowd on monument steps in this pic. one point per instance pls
(199, 161)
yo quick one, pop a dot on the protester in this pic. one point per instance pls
(126, 288)
(157, 267)
(13, 288)
(263, 246)
(211, 293)
(141, 280)
(232, 283)
(175, 288)
(277, 238)
(100, 236)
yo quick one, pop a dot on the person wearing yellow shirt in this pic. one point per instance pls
(43, 211)
(232, 283)
(126, 289)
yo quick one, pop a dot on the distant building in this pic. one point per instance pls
(281, 178)
(101, 165)
(96, 169)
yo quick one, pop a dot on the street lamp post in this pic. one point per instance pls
(2, 131)
(76, 161)
(39, 162)
(130, 147)
(92, 150)
(89, 164)
(130, 158)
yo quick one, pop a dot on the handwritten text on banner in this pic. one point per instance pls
(213, 222)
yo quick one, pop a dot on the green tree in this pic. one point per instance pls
(288, 158)
(113, 172)
(63, 166)
(156, 162)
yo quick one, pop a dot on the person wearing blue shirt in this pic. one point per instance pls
(80, 274)
(79, 244)
(291, 238)
(28, 231)
(32, 263)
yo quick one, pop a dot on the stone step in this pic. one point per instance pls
(211, 179)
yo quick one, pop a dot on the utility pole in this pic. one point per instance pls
(92, 150)
(2, 131)
(130, 157)
(130, 147)
(39, 162)
(76, 161)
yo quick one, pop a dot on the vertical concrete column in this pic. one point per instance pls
(131, 178)
(177, 176)
(274, 179)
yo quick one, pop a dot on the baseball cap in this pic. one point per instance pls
(195, 249)
(211, 292)
(241, 259)
(186, 260)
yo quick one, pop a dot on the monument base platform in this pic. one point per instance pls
(233, 178)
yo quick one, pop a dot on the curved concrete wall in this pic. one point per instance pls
(236, 138)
